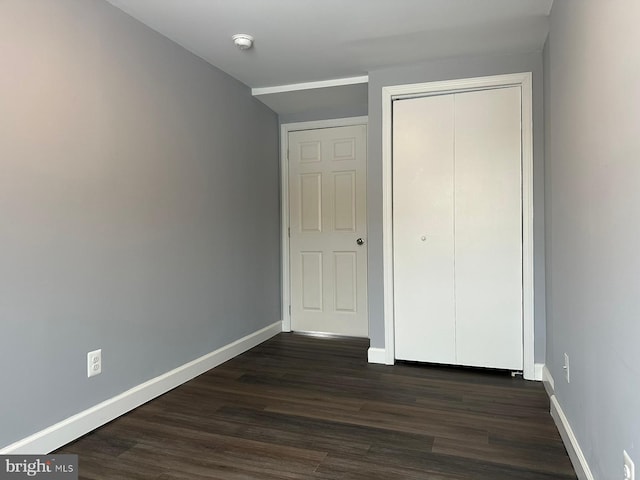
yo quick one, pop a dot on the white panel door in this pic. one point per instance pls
(488, 228)
(423, 229)
(457, 228)
(327, 189)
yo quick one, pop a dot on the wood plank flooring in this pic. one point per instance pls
(302, 407)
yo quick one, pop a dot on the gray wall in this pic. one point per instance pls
(139, 206)
(324, 114)
(446, 70)
(593, 233)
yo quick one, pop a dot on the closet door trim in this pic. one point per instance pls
(389, 93)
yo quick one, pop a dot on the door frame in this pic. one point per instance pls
(389, 93)
(285, 267)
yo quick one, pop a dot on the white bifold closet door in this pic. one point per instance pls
(457, 228)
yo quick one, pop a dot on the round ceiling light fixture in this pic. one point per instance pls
(243, 41)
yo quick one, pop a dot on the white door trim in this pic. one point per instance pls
(389, 93)
(285, 128)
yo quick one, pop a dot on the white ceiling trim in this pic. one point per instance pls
(293, 87)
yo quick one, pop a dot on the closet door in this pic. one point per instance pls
(423, 144)
(488, 228)
(457, 228)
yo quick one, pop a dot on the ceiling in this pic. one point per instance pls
(300, 41)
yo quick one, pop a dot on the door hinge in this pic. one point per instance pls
(289, 310)
(289, 230)
(287, 154)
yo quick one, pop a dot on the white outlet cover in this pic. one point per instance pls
(629, 467)
(94, 363)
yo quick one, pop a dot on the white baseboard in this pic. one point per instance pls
(377, 355)
(537, 371)
(548, 382)
(55, 436)
(569, 439)
(578, 459)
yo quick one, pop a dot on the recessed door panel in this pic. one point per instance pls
(311, 202)
(311, 281)
(309, 152)
(345, 281)
(344, 205)
(344, 149)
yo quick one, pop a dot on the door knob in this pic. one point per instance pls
(360, 241)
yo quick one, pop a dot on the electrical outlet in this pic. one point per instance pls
(566, 368)
(629, 470)
(94, 363)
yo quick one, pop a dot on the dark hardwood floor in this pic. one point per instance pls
(301, 407)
